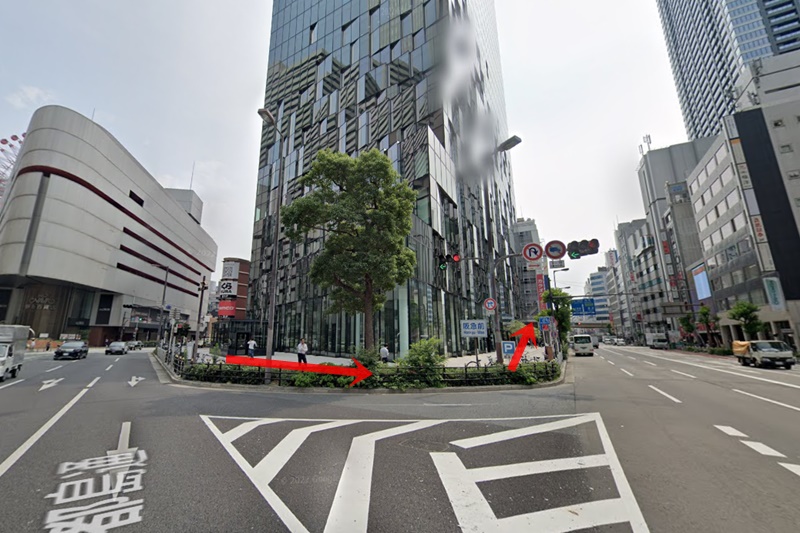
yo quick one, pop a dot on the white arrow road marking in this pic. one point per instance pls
(48, 383)
(55, 368)
(12, 383)
(135, 381)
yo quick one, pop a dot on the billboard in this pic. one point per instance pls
(227, 288)
(230, 270)
(701, 282)
(227, 308)
(540, 290)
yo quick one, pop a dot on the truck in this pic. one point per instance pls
(763, 353)
(657, 341)
(13, 345)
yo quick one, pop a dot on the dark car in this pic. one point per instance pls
(72, 350)
(117, 348)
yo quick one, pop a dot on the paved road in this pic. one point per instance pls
(635, 440)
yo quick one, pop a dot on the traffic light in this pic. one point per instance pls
(577, 249)
(445, 259)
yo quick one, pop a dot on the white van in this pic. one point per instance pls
(582, 345)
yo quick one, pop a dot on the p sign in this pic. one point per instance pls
(532, 252)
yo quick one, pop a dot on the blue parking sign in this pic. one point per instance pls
(509, 347)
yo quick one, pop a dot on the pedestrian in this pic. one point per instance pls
(47, 348)
(385, 353)
(302, 350)
(106, 343)
(251, 348)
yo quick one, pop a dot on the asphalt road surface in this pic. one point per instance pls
(634, 440)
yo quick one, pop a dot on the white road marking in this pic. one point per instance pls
(474, 513)
(109, 367)
(492, 438)
(612, 363)
(350, 509)
(12, 383)
(601, 357)
(737, 373)
(25, 446)
(791, 468)
(673, 398)
(630, 357)
(631, 375)
(763, 449)
(55, 368)
(447, 404)
(683, 374)
(117, 359)
(91, 384)
(135, 381)
(49, 383)
(649, 363)
(731, 431)
(767, 400)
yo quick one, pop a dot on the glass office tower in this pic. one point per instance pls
(421, 81)
(708, 43)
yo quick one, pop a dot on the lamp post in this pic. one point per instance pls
(554, 275)
(506, 145)
(163, 301)
(267, 117)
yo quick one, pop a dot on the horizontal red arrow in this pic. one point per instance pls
(360, 372)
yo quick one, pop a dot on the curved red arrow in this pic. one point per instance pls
(528, 333)
(360, 372)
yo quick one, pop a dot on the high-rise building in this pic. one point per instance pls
(630, 246)
(709, 41)
(422, 82)
(524, 231)
(596, 289)
(614, 288)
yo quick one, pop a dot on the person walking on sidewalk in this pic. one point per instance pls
(302, 350)
(251, 348)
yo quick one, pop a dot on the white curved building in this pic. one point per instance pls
(88, 236)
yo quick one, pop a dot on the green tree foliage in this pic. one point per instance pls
(708, 320)
(362, 208)
(747, 314)
(561, 301)
(512, 327)
(424, 354)
(687, 324)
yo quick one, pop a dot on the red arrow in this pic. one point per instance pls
(527, 333)
(360, 372)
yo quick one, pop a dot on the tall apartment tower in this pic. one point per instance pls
(422, 82)
(525, 231)
(709, 41)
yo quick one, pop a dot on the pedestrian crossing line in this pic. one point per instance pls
(731, 431)
(762, 448)
(791, 468)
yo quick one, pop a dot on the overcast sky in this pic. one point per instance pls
(179, 82)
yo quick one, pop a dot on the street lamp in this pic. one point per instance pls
(554, 276)
(267, 117)
(506, 145)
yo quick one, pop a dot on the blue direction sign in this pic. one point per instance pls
(544, 320)
(583, 307)
(509, 347)
(555, 249)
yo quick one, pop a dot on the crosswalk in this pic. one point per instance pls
(503, 475)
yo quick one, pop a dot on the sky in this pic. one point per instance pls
(178, 83)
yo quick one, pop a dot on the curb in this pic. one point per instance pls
(235, 387)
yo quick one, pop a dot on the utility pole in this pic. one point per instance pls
(200, 314)
(163, 301)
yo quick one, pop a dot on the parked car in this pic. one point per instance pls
(619, 341)
(117, 348)
(582, 344)
(134, 345)
(72, 350)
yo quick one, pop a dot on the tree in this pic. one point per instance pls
(362, 208)
(513, 326)
(747, 314)
(687, 324)
(562, 311)
(708, 320)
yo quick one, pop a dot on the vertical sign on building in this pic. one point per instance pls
(540, 290)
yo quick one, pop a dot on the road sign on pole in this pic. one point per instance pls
(509, 347)
(474, 328)
(490, 304)
(555, 249)
(532, 252)
(557, 264)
